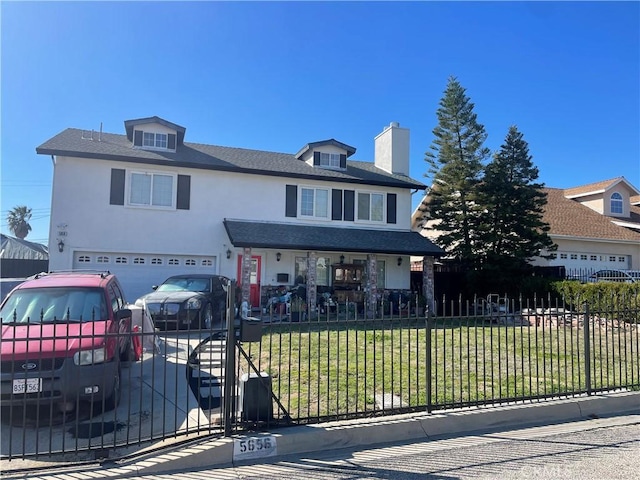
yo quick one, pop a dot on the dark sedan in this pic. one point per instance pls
(187, 301)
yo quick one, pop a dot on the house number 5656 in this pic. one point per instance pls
(254, 447)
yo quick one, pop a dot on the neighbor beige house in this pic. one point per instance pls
(595, 226)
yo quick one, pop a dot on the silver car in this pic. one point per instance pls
(626, 276)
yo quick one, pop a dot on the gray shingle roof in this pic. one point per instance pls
(74, 142)
(331, 239)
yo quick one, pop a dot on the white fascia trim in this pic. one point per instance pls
(634, 226)
(591, 239)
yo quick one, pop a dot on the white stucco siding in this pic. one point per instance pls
(87, 223)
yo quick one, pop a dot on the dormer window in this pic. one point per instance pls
(329, 154)
(145, 139)
(157, 140)
(330, 160)
(616, 203)
(154, 133)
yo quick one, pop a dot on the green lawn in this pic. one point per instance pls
(327, 369)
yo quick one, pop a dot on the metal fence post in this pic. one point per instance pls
(230, 363)
(587, 349)
(428, 360)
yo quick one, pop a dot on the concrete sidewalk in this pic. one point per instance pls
(203, 453)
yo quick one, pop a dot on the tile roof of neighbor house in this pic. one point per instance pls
(570, 218)
(597, 187)
(74, 142)
(332, 239)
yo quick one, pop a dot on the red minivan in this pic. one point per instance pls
(64, 336)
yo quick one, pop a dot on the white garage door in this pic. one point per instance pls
(138, 272)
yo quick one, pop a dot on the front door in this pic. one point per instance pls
(254, 279)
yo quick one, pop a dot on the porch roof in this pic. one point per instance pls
(332, 239)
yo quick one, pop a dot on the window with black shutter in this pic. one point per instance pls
(183, 200)
(116, 195)
(391, 207)
(291, 207)
(336, 204)
(349, 205)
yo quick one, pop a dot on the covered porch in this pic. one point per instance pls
(344, 263)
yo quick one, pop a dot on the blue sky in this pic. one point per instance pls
(277, 75)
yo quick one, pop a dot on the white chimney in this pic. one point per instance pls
(392, 149)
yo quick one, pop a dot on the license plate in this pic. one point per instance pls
(27, 385)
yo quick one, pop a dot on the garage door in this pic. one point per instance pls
(138, 272)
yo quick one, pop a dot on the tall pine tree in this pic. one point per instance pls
(456, 158)
(512, 231)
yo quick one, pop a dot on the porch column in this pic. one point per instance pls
(246, 275)
(312, 281)
(428, 287)
(371, 295)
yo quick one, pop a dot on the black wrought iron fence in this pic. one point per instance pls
(497, 351)
(168, 384)
(343, 362)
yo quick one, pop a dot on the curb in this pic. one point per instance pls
(219, 452)
(408, 427)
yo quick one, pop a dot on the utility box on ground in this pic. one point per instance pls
(255, 397)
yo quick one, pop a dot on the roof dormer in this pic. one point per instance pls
(154, 133)
(329, 154)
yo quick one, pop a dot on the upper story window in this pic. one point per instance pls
(314, 202)
(330, 160)
(152, 189)
(616, 203)
(371, 206)
(157, 140)
(154, 140)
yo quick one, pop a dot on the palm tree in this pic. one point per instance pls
(18, 220)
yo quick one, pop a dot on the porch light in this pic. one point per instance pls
(341, 258)
(228, 253)
(278, 256)
(60, 246)
(399, 261)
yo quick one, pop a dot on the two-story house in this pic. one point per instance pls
(595, 226)
(147, 205)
